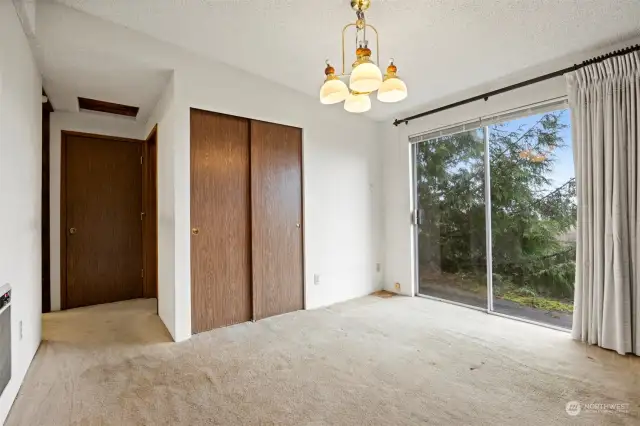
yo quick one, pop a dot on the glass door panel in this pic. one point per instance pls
(451, 231)
(533, 218)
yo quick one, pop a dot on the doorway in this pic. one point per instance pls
(102, 219)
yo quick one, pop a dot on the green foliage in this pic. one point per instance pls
(539, 302)
(533, 251)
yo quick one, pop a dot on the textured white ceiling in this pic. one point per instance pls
(441, 47)
(78, 57)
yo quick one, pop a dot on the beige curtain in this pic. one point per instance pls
(605, 113)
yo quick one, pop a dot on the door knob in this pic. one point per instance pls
(297, 225)
(72, 230)
(195, 231)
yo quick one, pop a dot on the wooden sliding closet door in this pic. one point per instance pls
(220, 221)
(276, 217)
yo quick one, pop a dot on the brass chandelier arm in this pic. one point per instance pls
(343, 31)
(377, 45)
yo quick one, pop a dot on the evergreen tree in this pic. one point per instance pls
(533, 252)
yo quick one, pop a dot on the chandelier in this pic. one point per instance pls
(365, 77)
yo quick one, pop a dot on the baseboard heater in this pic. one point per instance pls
(5, 336)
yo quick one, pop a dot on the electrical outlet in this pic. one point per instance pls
(316, 279)
(20, 329)
(378, 267)
(397, 286)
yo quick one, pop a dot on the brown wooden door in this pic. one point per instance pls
(276, 212)
(102, 227)
(220, 221)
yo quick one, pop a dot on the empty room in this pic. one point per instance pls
(357, 212)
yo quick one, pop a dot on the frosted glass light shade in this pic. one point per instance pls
(366, 77)
(333, 91)
(357, 103)
(392, 90)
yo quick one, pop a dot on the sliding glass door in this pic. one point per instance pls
(533, 216)
(450, 218)
(521, 261)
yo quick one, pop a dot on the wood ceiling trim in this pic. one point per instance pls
(108, 107)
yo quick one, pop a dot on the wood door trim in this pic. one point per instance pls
(254, 300)
(46, 206)
(63, 221)
(303, 222)
(97, 136)
(150, 238)
(63, 203)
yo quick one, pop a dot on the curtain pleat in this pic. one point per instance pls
(605, 113)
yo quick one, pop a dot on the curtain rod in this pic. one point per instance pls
(544, 77)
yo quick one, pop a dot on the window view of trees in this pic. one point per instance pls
(451, 237)
(533, 216)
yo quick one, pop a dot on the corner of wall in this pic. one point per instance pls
(20, 183)
(164, 116)
(398, 231)
(182, 210)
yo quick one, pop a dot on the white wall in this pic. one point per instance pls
(163, 116)
(85, 122)
(342, 180)
(398, 230)
(20, 183)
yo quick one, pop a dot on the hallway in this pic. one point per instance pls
(130, 323)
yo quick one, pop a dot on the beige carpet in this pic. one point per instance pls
(371, 361)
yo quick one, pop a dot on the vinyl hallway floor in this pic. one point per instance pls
(369, 361)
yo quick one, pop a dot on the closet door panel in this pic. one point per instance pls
(276, 219)
(220, 221)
